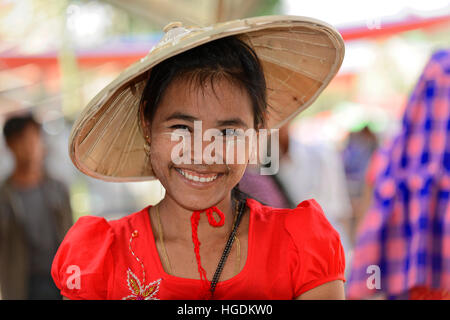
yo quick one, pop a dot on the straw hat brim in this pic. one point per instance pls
(299, 56)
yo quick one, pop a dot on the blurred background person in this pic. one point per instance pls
(267, 188)
(406, 232)
(313, 171)
(356, 156)
(35, 214)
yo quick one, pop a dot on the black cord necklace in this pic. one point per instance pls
(226, 251)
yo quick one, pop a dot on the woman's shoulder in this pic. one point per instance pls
(130, 222)
(313, 249)
(90, 225)
(305, 222)
(87, 251)
(308, 211)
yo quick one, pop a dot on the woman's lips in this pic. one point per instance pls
(197, 176)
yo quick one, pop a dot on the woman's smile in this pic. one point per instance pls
(198, 179)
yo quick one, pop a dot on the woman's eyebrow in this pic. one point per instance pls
(181, 116)
(237, 122)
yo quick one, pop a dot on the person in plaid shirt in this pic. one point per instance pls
(405, 235)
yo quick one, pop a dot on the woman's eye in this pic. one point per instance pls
(180, 127)
(229, 132)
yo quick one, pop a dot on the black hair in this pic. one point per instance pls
(228, 58)
(15, 126)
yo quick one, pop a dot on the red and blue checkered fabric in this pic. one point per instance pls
(406, 232)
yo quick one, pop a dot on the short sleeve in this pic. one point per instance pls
(83, 266)
(316, 254)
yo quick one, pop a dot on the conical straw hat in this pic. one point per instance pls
(299, 57)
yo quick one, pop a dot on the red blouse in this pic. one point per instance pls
(290, 251)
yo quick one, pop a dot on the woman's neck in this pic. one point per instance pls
(176, 220)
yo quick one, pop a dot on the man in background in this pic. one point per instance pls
(35, 214)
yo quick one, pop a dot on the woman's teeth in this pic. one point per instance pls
(197, 178)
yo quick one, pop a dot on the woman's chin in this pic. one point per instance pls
(192, 200)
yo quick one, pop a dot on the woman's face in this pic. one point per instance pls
(226, 107)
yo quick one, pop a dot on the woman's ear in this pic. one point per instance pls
(147, 131)
(145, 123)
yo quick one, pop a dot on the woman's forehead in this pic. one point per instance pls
(217, 99)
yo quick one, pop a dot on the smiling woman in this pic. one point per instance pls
(227, 79)
(204, 84)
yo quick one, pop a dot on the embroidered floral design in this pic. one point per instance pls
(140, 291)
